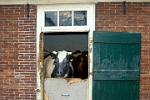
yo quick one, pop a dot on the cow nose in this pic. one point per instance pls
(59, 73)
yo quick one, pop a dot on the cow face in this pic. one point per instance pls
(63, 67)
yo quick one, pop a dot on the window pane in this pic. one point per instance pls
(65, 18)
(80, 18)
(51, 18)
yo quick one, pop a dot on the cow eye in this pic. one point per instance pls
(71, 60)
(66, 60)
(56, 60)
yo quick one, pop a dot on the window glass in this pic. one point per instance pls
(65, 18)
(80, 18)
(51, 18)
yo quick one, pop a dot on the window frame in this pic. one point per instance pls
(58, 18)
(65, 8)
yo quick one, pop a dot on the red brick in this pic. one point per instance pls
(17, 34)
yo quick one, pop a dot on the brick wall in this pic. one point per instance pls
(18, 44)
(111, 17)
(17, 52)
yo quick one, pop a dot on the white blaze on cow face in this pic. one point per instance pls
(62, 55)
(63, 67)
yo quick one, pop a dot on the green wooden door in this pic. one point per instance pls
(116, 66)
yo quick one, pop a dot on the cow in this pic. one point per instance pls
(66, 64)
(49, 65)
(62, 66)
(80, 65)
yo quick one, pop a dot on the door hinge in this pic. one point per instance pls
(37, 90)
(91, 73)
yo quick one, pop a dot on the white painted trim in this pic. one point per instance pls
(66, 29)
(90, 47)
(89, 28)
(66, 7)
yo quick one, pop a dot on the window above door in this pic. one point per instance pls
(66, 17)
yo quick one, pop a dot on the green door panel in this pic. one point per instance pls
(116, 65)
(117, 37)
(116, 90)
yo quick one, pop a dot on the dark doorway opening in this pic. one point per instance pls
(76, 42)
(70, 41)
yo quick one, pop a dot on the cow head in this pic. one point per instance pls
(63, 67)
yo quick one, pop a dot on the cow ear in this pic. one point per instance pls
(54, 52)
(69, 53)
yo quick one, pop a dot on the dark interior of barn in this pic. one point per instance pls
(75, 42)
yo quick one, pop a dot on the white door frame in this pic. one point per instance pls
(89, 28)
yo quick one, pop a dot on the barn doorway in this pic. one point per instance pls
(61, 88)
(72, 19)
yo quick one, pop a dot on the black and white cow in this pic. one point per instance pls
(58, 65)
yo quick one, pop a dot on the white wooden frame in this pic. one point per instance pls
(71, 7)
(90, 8)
